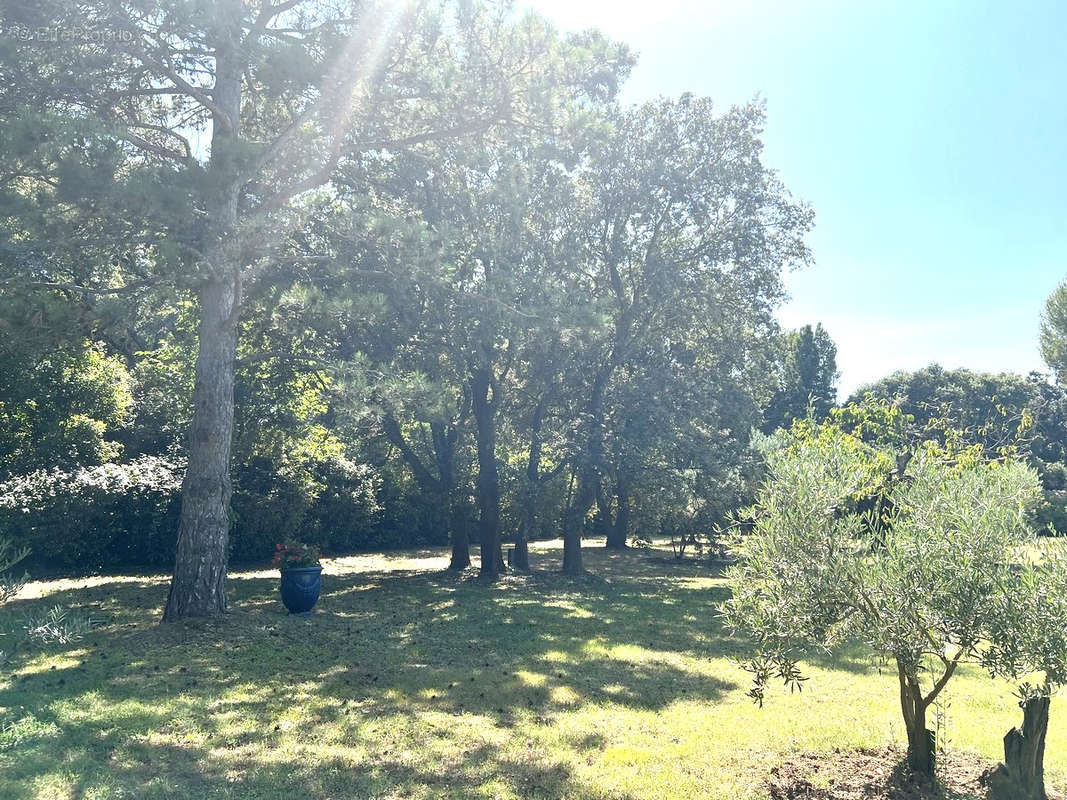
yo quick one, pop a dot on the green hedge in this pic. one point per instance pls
(122, 515)
(95, 518)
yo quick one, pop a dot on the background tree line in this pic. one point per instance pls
(388, 275)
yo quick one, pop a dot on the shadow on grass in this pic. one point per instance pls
(403, 684)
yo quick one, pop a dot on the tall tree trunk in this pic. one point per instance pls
(605, 520)
(619, 530)
(574, 519)
(588, 477)
(521, 559)
(1022, 775)
(444, 445)
(531, 490)
(457, 532)
(488, 480)
(198, 588)
(920, 738)
(443, 486)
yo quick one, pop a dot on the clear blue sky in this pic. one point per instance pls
(929, 137)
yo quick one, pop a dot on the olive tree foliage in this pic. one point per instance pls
(922, 594)
(1028, 644)
(1054, 332)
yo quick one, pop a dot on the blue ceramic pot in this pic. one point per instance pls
(300, 588)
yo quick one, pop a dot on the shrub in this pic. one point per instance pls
(122, 515)
(96, 517)
(332, 504)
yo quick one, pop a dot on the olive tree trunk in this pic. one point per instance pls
(920, 738)
(1022, 775)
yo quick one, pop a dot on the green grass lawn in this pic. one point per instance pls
(411, 683)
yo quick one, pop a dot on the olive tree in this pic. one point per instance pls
(921, 592)
(1027, 637)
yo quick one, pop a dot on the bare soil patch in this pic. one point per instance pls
(880, 774)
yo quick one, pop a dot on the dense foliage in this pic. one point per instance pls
(807, 374)
(459, 291)
(922, 585)
(375, 275)
(1054, 332)
(1005, 412)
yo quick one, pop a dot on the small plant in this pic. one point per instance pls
(56, 626)
(9, 557)
(288, 555)
(942, 738)
(9, 583)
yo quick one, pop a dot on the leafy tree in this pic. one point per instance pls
(179, 146)
(477, 236)
(807, 374)
(676, 431)
(1054, 332)
(413, 404)
(61, 408)
(1025, 413)
(1028, 636)
(924, 594)
(687, 234)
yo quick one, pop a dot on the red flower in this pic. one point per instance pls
(295, 554)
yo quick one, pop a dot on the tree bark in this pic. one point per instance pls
(920, 738)
(488, 480)
(444, 444)
(573, 520)
(531, 489)
(1022, 775)
(460, 558)
(588, 477)
(619, 530)
(198, 587)
(443, 486)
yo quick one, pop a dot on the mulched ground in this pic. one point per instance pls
(878, 775)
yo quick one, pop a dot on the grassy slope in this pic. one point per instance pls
(410, 683)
